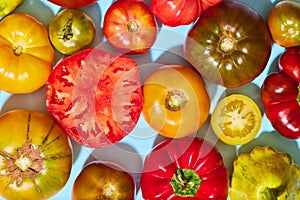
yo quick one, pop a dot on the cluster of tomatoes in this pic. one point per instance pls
(96, 97)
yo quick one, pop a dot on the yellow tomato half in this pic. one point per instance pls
(236, 119)
(26, 54)
(176, 101)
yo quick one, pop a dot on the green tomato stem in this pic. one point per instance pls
(185, 182)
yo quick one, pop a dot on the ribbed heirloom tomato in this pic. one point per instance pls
(95, 96)
(176, 101)
(26, 54)
(35, 156)
(188, 168)
(129, 26)
(229, 44)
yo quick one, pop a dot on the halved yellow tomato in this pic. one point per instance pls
(236, 119)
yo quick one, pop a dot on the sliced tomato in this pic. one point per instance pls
(95, 96)
(236, 119)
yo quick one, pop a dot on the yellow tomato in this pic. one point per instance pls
(35, 156)
(26, 54)
(176, 101)
(236, 119)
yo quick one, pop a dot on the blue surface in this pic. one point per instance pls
(131, 151)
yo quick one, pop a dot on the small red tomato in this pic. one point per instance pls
(130, 26)
(95, 96)
(99, 180)
(73, 3)
(289, 62)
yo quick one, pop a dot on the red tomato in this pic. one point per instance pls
(130, 26)
(99, 180)
(185, 168)
(280, 95)
(289, 62)
(73, 3)
(180, 12)
(95, 96)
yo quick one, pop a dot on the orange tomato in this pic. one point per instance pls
(176, 101)
(26, 54)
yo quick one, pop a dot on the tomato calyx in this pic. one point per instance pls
(175, 100)
(66, 33)
(27, 162)
(132, 26)
(185, 182)
(226, 44)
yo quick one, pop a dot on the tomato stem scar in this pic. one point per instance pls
(226, 44)
(132, 26)
(175, 100)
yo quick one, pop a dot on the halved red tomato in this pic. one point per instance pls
(95, 96)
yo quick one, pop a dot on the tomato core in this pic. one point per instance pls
(66, 33)
(132, 26)
(226, 44)
(27, 162)
(18, 50)
(175, 100)
(185, 182)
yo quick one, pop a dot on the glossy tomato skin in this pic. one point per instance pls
(73, 3)
(95, 96)
(180, 12)
(130, 27)
(289, 62)
(284, 23)
(229, 44)
(71, 30)
(176, 101)
(27, 55)
(100, 180)
(35, 156)
(185, 153)
(280, 94)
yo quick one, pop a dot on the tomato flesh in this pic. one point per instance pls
(95, 96)
(236, 119)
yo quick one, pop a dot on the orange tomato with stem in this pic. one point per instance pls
(176, 101)
(27, 55)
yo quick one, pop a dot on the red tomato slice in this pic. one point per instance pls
(95, 96)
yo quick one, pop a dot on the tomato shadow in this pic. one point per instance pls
(31, 101)
(262, 7)
(227, 151)
(41, 11)
(123, 155)
(250, 89)
(275, 140)
(175, 56)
